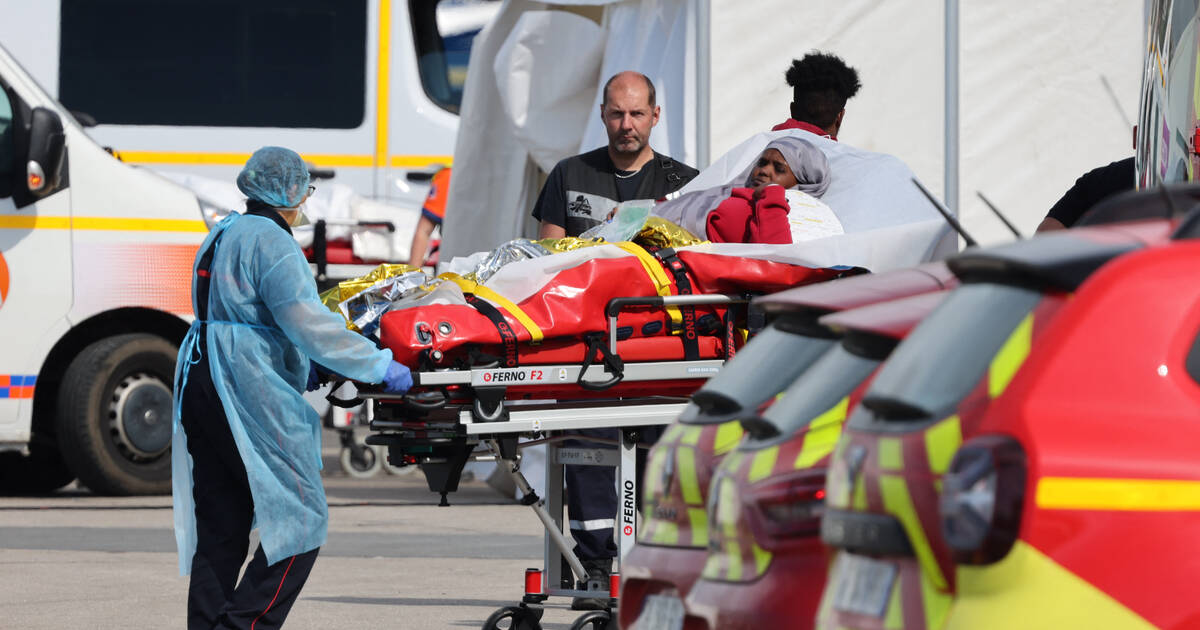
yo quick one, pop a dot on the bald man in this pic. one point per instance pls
(582, 189)
(579, 193)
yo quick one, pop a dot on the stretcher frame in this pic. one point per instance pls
(550, 422)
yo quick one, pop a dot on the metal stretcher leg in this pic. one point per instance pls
(628, 512)
(553, 528)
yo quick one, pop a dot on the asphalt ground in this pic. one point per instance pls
(393, 560)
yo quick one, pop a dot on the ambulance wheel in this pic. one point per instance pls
(366, 463)
(596, 620)
(115, 412)
(514, 618)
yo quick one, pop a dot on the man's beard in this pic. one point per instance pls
(630, 146)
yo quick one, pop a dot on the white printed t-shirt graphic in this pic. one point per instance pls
(588, 206)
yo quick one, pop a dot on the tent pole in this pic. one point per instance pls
(951, 88)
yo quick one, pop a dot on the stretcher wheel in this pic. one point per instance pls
(596, 620)
(361, 465)
(514, 618)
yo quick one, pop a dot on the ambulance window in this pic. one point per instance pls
(948, 353)
(223, 63)
(443, 32)
(7, 148)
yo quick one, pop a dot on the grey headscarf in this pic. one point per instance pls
(808, 164)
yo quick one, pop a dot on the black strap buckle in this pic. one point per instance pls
(596, 343)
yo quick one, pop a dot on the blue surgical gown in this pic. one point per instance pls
(265, 322)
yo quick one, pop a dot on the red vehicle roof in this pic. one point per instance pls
(855, 291)
(891, 319)
(1059, 260)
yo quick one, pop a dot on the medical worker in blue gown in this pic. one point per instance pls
(247, 447)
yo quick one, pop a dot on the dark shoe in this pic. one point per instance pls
(597, 570)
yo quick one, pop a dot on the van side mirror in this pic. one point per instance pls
(47, 147)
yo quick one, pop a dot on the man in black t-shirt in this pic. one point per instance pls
(579, 193)
(1090, 189)
(582, 189)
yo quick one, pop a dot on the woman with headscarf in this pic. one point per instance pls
(754, 209)
(246, 451)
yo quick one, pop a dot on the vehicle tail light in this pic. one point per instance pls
(791, 505)
(982, 495)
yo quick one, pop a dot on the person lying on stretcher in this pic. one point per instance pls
(758, 209)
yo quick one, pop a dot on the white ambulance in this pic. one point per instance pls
(95, 266)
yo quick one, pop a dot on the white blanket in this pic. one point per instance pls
(888, 223)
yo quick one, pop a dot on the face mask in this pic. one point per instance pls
(301, 216)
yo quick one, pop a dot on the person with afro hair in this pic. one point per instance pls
(821, 85)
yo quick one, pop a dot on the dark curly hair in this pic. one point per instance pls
(821, 85)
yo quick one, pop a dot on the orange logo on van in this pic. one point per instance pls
(3, 280)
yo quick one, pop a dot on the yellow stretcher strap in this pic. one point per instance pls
(662, 282)
(478, 290)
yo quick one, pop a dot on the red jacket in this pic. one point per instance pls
(736, 220)
(792, 123)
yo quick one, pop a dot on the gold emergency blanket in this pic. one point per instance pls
(363, 300)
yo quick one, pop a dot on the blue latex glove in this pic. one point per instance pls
(398, 379)
(314, 379)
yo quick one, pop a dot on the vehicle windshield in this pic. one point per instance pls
(818, 390)
(763, 368)
(948, 353)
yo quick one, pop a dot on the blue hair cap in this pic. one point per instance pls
(275, 176)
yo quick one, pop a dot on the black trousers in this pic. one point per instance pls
(592, 496)
(224, 514)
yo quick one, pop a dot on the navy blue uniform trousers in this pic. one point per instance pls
(592, 496)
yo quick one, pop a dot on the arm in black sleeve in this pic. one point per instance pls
(1093, 187)
(551, 206)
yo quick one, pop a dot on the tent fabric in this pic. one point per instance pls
(544, 91)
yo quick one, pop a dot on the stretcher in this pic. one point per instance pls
(453, 415)
(615, 335)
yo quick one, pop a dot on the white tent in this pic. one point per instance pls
(1047, 92)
